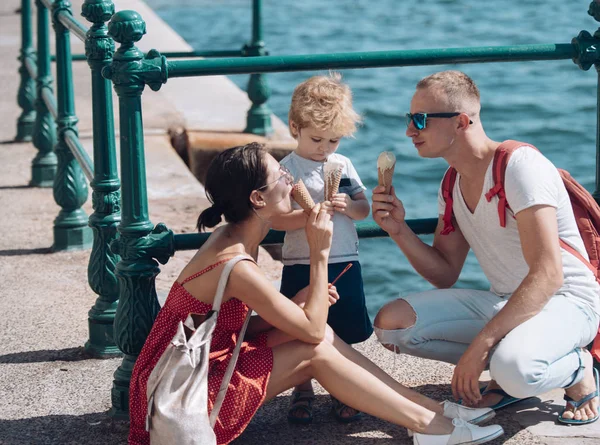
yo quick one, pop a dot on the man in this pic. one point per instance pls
(543, 307)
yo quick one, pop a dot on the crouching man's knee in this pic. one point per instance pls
(391, 325)
(517, 375)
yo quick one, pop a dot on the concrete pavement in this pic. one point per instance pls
(51, 393)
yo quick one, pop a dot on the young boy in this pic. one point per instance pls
(320, 115)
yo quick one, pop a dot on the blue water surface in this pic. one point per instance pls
(549, 104)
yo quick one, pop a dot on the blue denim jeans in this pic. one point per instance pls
(539, 355)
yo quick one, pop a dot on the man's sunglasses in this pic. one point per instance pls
(419, 120)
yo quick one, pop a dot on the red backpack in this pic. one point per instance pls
(585, 208)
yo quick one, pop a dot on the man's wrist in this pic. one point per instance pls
(403, 230)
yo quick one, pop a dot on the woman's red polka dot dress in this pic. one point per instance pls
(248, 386)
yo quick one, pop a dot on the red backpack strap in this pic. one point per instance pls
(500, 162)
(447, 188)
(579, 256)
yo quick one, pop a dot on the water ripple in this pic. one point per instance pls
(551, 104)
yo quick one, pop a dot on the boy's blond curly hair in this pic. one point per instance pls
(324, 102)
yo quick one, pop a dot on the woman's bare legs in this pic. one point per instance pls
(355, 381)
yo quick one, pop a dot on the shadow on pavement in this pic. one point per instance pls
(89, 429)
(47, 355)
(36, 251)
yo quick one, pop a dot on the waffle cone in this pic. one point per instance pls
(302, 197)
(332, 183)
(386, 164)
(332, 175)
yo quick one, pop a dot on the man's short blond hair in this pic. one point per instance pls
(324, 102)
(460, 90)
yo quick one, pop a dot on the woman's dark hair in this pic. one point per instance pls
(231, 178)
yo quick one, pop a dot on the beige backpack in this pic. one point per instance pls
(177, 390)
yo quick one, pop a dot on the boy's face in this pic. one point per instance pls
(317, 145)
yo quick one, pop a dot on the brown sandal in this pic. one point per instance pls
(338, 409)
(303, 401)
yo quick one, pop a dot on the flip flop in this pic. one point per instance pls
(301, 400)
(338, 408)
(506, 400)
(577, 403)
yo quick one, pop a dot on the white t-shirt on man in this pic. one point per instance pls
(344, 244)
(530, 180)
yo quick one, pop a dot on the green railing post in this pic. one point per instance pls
(587, 53)
(594, 11)
(43, 166)
(258, 119)
(26, 93)
(106, 199)
(137, 244)
(71, 230)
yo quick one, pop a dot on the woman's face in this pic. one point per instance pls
(278, 188)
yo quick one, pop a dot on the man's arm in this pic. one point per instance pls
(439, 264)
(538, 233)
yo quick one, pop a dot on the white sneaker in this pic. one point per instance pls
(464, 433)
(472, 415)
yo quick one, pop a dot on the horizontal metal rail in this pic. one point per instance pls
(426, 226)
(50, 102)
(72, 24)
(80, 154)
(178, 54)
(373, 59)
(31, 67)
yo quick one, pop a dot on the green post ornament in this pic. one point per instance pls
(258, 119)
(106, 199)
(71, 231)
(43, 166)
(138, 244)
(26, 92)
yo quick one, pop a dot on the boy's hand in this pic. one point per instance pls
(341, 202)
(302, 295)
(328, 207)
(388, 210)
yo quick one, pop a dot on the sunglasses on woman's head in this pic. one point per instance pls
(419, 120)
(285, 174)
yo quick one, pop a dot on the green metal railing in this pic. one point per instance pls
(258, 118)
(127, 247)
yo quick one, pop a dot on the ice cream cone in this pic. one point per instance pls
(332, 172)
(302, 197)
(386, 162)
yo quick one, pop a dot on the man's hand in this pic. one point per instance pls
(465, 381)
(388, 210)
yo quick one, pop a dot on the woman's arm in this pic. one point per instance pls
(294, 220)
(307, 323)
(258, 325)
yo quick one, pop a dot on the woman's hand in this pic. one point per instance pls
(319, 230)
(302, 295)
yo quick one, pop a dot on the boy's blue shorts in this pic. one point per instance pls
(348, 317)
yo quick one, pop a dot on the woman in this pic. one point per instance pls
(289, 341)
